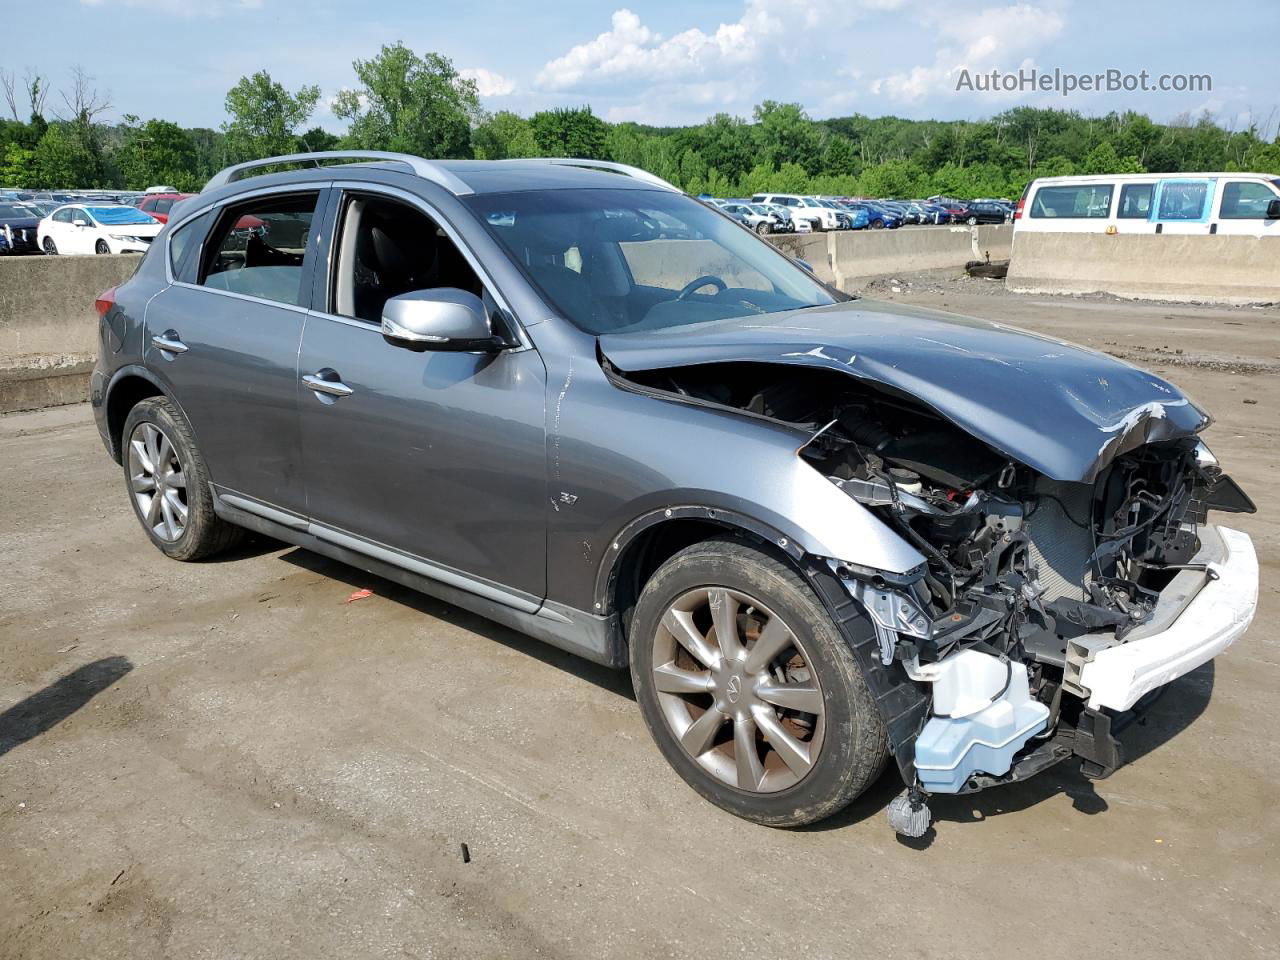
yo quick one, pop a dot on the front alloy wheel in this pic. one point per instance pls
(749, 689)
(737, 691)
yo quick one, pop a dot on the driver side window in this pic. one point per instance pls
(387, 248)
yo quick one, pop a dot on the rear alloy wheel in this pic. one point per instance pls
(169, 485)
(749, 690)
(50, 248)
(101, 247)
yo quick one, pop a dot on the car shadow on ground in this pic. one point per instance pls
(1185, 701)
(46, 708)
(617, 682)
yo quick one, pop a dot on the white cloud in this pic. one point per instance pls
(826, 53)
(988, 39)
(488, 83)
(629, 49)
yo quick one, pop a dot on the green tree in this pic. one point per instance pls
(264, 116)
(839, 156)
(64, 159)
(503, 135)
(1104, 159)
(410, 104)
(18, 167)
(787, 135)
(725, 142)
(156, 152)
(318, 139)
(570, 133)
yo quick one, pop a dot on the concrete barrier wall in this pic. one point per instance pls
(847, 259)
(48, 327)
(1201, 269)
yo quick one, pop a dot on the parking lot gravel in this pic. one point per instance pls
(240, 758)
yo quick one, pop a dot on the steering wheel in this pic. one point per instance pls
(698, 284)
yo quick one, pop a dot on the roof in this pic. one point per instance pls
(1091, 177)
(466, 177)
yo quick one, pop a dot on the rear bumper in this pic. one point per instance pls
(1116, 677)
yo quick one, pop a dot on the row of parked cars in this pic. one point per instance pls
(795, 213)
(82, 222)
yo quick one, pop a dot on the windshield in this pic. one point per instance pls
(121, 216)
(9, 212)
(618, 261)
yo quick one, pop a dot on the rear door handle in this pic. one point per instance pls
(169, 343)
(321, 385)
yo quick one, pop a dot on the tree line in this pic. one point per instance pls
(420, 104)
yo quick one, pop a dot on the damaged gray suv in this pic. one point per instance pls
(822, 532)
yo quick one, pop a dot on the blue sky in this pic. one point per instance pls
(665, 62)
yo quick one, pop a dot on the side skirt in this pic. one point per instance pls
(593, 638)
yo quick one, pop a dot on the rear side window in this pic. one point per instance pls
(1135, 201)
(1182, 199)
(163, 204)
(1086, 200)
(184, 245)
(257, 249)
(1245, 201)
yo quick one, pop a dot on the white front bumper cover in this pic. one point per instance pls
(1119, 676)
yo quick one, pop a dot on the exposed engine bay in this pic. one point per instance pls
(1018, 565)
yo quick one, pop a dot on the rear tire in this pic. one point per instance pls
(786, 739)
(50, 248)
(168, 483)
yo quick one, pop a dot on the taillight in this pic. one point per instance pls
(1017, 211)
(106, 300)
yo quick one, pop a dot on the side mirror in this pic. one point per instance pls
(444, 318)
(81, 223)
(1273, 210)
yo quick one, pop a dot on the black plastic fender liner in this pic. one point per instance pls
(903, 703)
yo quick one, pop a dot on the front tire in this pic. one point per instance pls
(972, 221)
(101, 247)
(748, 688)
(762, 228)
(168, 483)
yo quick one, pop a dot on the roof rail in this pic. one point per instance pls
(630, 171)
(416, 165)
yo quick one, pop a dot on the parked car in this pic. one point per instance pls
(820, 217)
(1246, 204)
(844, 217)
(18, 226)
(86, 228)
(878, 218)
(752, 219)
(158, 203)
(820, 531)
(959, 212)
(986, 212)
(782, 220)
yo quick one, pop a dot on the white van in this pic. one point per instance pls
(1196, 203)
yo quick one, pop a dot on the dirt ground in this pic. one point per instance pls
(228, 759)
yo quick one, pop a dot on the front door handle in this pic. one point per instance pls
(169, 344)
(328, 387)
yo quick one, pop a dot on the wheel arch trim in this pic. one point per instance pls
(127, 372)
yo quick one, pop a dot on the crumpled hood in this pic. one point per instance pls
(1063, 410)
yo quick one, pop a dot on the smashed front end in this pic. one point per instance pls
(1047, 609)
